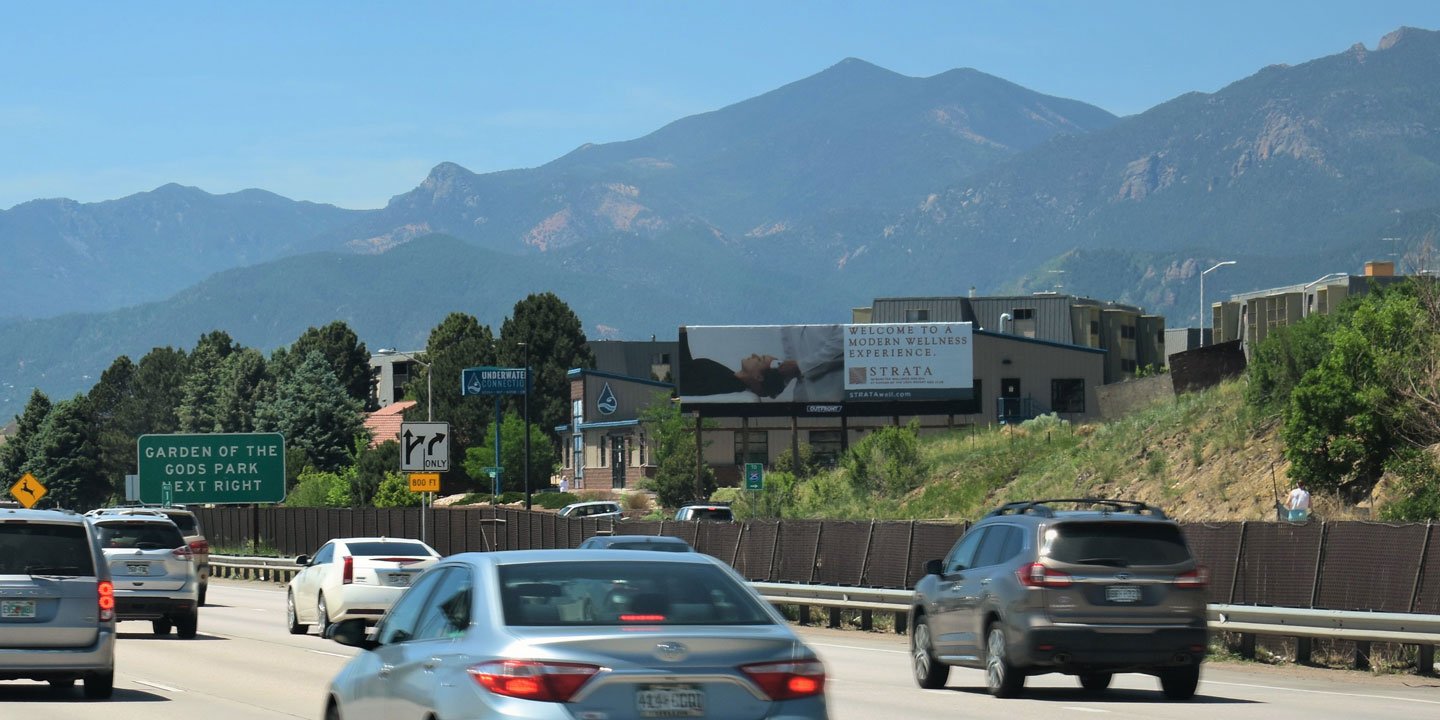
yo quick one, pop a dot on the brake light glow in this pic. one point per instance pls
(107, 600)
(532, 680)
(199, 546)
(183, 553)
(788, 680)
(1037, 575)
(347, 570)
(642, 618)
(1195, 579)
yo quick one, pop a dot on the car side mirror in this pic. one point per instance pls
(934, 567)
(302, 560)
(354, 632)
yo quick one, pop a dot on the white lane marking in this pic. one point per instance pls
(1077, 708)
(158, 686)
(1323, 692)
(856, 647)
(322, 652)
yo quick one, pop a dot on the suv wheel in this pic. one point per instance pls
(62, 684)
(1096, 681)
(1002, 679)
(99, 686)
(160, 627)
(187, 624)
(204, 585)
(1180, 683)
(292, 619)
(322, 615)
(930, 673)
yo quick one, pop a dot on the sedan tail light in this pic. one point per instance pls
(1037, 575)
(788, 680)
(183, 553)
(531, 680)
(347, 570)
(1196, 579)
(106, 591)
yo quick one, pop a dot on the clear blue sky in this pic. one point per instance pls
(353, 102)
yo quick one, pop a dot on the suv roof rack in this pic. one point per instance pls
(1042, 508)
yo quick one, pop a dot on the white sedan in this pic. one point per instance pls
(353, 578)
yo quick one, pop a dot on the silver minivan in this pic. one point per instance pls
(57, 602)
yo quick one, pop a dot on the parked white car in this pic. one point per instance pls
(353, 578)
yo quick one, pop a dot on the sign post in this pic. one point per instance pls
(218, 468)
(754, 482)
(487, 380)
(494, 473)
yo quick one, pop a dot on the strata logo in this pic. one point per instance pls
(606, 403)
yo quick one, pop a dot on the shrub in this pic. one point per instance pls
(315, 488)
(636, 501)
(1418, 489)
(886, 461)
(395, 492)
(554, 501)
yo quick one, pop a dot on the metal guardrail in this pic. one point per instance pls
(1404, 628)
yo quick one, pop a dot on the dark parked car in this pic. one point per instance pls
(662, 543)
(1109, 587)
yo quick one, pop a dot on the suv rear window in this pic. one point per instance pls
(139, 535)
(378, 549)
(612, 593)
(1118, 544)
(711, 514)
(186, 523)
(51, 547)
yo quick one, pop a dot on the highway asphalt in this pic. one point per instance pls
(245, 666)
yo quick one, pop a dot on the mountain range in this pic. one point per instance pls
(793, 206)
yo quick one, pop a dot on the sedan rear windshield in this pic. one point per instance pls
(45, 549)
(615, 592)
(387, 549)
(1117, 544)
(139, 535)
(722, 514)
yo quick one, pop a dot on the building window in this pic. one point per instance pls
(577, 451)
(1094, 327)
(660, 359)
(577, 412)
(604, 453)
(1127, 332)
(759, 447)
(1024, 314)
(917, 315)
(642, 449)
(1067, 395)
(825, 446)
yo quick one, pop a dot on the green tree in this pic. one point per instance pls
(314, 414)
(1417, 488)
(199, 410)
(109, 399)
(372, 464)
(1283, 358)
(159, 389)
(346, 354)
(555, 341)
(1340, 427)
(66, 459)
(458, 342)
(318, 488)
(16, 452)
(395, 492)
(543, 456)
(241, 383)
(676, 481)
(886, 462)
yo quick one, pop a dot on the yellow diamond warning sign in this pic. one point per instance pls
(28, 490)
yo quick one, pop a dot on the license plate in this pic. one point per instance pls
(400, 579)
(670, 701)
(137, 568)
(1122, 594)
(17, 609)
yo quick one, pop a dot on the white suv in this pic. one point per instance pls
(57, 603)
(154, 571)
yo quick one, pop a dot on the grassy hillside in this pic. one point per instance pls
(1204, 456)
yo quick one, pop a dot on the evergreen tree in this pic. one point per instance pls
(109, 400)
(66, 459)
(458, 342)
(371, 466)
(347, 356)
(199, 410)
(158, 392)
(313, 413)
(673, 436)
(543, 456)
(243, 378)
(554, 342)
(16, 451)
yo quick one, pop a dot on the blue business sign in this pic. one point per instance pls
(492, 381)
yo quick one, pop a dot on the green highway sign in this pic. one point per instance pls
(754, 476)
(233, 468)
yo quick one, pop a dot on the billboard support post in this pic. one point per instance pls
(699, 459)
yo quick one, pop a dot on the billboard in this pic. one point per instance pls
(810, 364)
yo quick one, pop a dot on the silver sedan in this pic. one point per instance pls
(589, 634)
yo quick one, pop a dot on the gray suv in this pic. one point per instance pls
(154, 571)
(57, 603)
(1108, 587)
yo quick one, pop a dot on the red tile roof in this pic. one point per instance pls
(384, 424)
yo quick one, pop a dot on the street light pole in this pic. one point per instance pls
(526, 411)
(429, 415)
(1202, 299)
